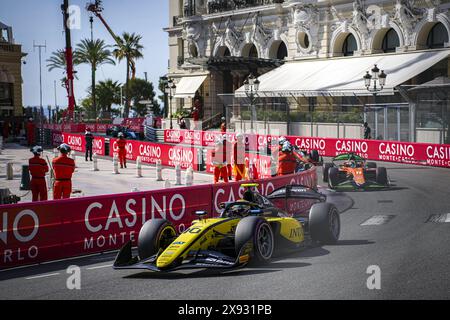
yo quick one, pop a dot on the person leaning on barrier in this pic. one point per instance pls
(38, 168)
(287, 160)
(63, 167)
(89, 138)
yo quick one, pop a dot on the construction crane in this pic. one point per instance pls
(69, 113)
(96, 8)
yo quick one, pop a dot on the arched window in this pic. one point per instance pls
(437, 37)
(282, 52)
(391, 41)
(193, 51)
(227, 53)
(253, 53)
(350, 45)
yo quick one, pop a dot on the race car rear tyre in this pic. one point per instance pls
(333, 177)
(155, 234)
(324, 223)
(371, 165)
(259, 232)
(382, 176)
(315, 156)
(326, 168)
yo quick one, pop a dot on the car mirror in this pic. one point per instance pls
(201, 214)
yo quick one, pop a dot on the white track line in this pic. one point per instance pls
(100, 267)
(43, 276)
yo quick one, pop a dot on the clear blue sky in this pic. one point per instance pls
(41, 20)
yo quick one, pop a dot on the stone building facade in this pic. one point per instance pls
(10, 74)
(226, 40)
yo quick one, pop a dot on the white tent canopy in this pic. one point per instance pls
(343, 76)
(188, 86)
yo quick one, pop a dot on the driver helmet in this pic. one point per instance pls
(120, 134)
(37, 150)
(64, 148)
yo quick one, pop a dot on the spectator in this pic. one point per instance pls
(367, 131)
(89, 137)
(182, 123)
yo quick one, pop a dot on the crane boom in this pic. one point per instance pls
(96, 8)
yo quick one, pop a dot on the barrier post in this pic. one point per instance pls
(139, 167)
(250, 170)
(159, 171)
(95, 162)
(9, 171)
(190, 176)
(178, 175)
(74, 157)
(115, 165)
(167, 184)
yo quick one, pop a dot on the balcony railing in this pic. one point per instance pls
(216, 6)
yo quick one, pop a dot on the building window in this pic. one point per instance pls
(437, 37)
(253, 52)
(6, 95)
(303, 40)
(350, 45)
(282, 52)
(227, 53)
(391, 41)
(193, 52)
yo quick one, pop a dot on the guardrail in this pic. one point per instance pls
(46, 231)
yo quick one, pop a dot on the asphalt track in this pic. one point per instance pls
(412, 253)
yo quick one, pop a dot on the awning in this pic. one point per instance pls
(343, 76)
(188, 86)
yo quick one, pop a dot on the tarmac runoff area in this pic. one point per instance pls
(87, 182)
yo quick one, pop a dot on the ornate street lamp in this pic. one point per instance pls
(251, 87)
(376, 81)
(170, 89)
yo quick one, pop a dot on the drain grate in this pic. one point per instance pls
(439, 218)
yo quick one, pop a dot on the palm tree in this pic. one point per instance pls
(57, 60)
(95, 53)
(108, 93)
(129, 49)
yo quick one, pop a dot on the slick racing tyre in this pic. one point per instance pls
(324, 223)
(155, 234)
(259, 232)
(371, 165)
(326, 168)
(333, 177)
(382, 176)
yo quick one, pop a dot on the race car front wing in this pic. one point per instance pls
(194, 260)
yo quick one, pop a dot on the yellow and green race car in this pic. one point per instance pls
(251, 229)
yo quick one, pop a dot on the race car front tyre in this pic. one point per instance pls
(333, 177)
(324, 223)
(326, 168)
(259, 232)
(155, 234)
(382, 176)
(371, 165)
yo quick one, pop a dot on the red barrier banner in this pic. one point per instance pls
(57, 138)
(77, 142)
(38, 232)
(151, 152)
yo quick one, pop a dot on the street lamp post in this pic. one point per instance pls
(170, 88)
(375, 83)
(251, 86)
